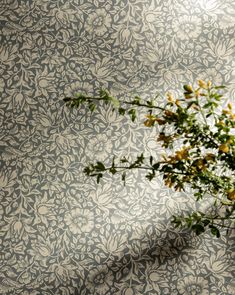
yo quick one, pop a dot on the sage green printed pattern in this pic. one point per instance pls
(60, 232)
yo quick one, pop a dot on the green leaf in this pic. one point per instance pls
(150, 175)
(217, 96)
(115, 101)
(87, 170)
(92, 107)
(140, 158)
(207, 105)
(66, 99)
(124, 177)
(198, 195)
(100, 166)
(177, 221)
(189, 221)
(150, 103)
(206, 222)
(132, 113)
(156, 166)
(104, 94)
(198, 228)
(99, 176)
(209, 114)
(214, 230)
(219, 87)
(121, 111)
(136, 100)
(194, 102)
(113, 170)
(124, 160)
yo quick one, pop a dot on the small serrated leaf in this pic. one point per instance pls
(124, 178)
(100, 166)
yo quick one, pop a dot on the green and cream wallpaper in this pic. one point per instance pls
(60, 232)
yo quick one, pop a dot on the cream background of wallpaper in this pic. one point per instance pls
(60, 232)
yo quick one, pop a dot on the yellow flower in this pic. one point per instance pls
(177, 102)
(168, 182)
(193, 169)
(182, 154)
(151, 117)
(169, 113)
(150, 121)
(197, 93)
(231, 194)
(202, 84)
(221, 123)
(201, 165)
(226, 112)
(232, 117)
(160, 121)
(164, 138)
(230, 140)
(224, 148)
(178, 188)
(210, 157)
(209, 83)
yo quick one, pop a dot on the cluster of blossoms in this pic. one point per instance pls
(198, 137)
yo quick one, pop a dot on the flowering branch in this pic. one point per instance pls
(205, 160)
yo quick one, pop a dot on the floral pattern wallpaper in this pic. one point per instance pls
(60, 232)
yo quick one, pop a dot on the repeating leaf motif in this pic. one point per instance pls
(60, 233)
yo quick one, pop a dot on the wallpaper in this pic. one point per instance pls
(60, 232)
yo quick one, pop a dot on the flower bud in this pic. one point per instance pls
(170, 97)
(188, 88)
(202, 84)
(230, 106)
(187, 95)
